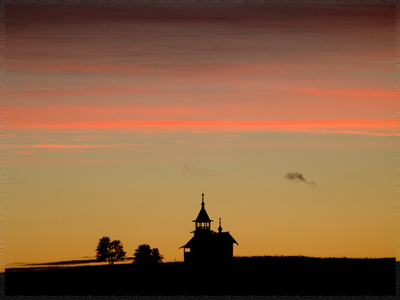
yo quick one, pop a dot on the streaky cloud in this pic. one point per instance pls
(368, 127)
(298, 177)
(65, 146)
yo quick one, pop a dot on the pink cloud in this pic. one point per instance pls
(66, 146)
(92, 117)
(23, 152)
(60, 67)
(78, 91)
(343, 92)
(342, 126)
(27, 111)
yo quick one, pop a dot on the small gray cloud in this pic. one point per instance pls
(191, 170)
(188, 170)
(294, 176)
(298, 177)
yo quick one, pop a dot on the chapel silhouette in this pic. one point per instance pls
(207, 245)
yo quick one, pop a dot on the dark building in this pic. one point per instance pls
(207, 245)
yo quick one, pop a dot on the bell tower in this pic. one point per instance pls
(202, 222)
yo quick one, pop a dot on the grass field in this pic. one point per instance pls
(242, 276)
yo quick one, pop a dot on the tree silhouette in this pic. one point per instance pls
(110, 251)
(145, 255)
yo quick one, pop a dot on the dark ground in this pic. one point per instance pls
(243, 276)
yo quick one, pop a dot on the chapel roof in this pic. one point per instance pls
(213, 238)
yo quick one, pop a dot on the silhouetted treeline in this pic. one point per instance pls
(242, 276)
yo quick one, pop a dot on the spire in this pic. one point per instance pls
(219, 228)
(202, 216)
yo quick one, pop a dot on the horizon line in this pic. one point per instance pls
(93, 260)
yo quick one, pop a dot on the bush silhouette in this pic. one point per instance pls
(110, 251)
(145, 255)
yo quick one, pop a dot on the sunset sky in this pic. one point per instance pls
(117, 118)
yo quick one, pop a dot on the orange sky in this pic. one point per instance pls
(117, 118)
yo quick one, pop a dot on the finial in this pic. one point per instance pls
(219, 228)
(202, 199)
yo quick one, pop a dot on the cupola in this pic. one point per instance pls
(203, 221)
